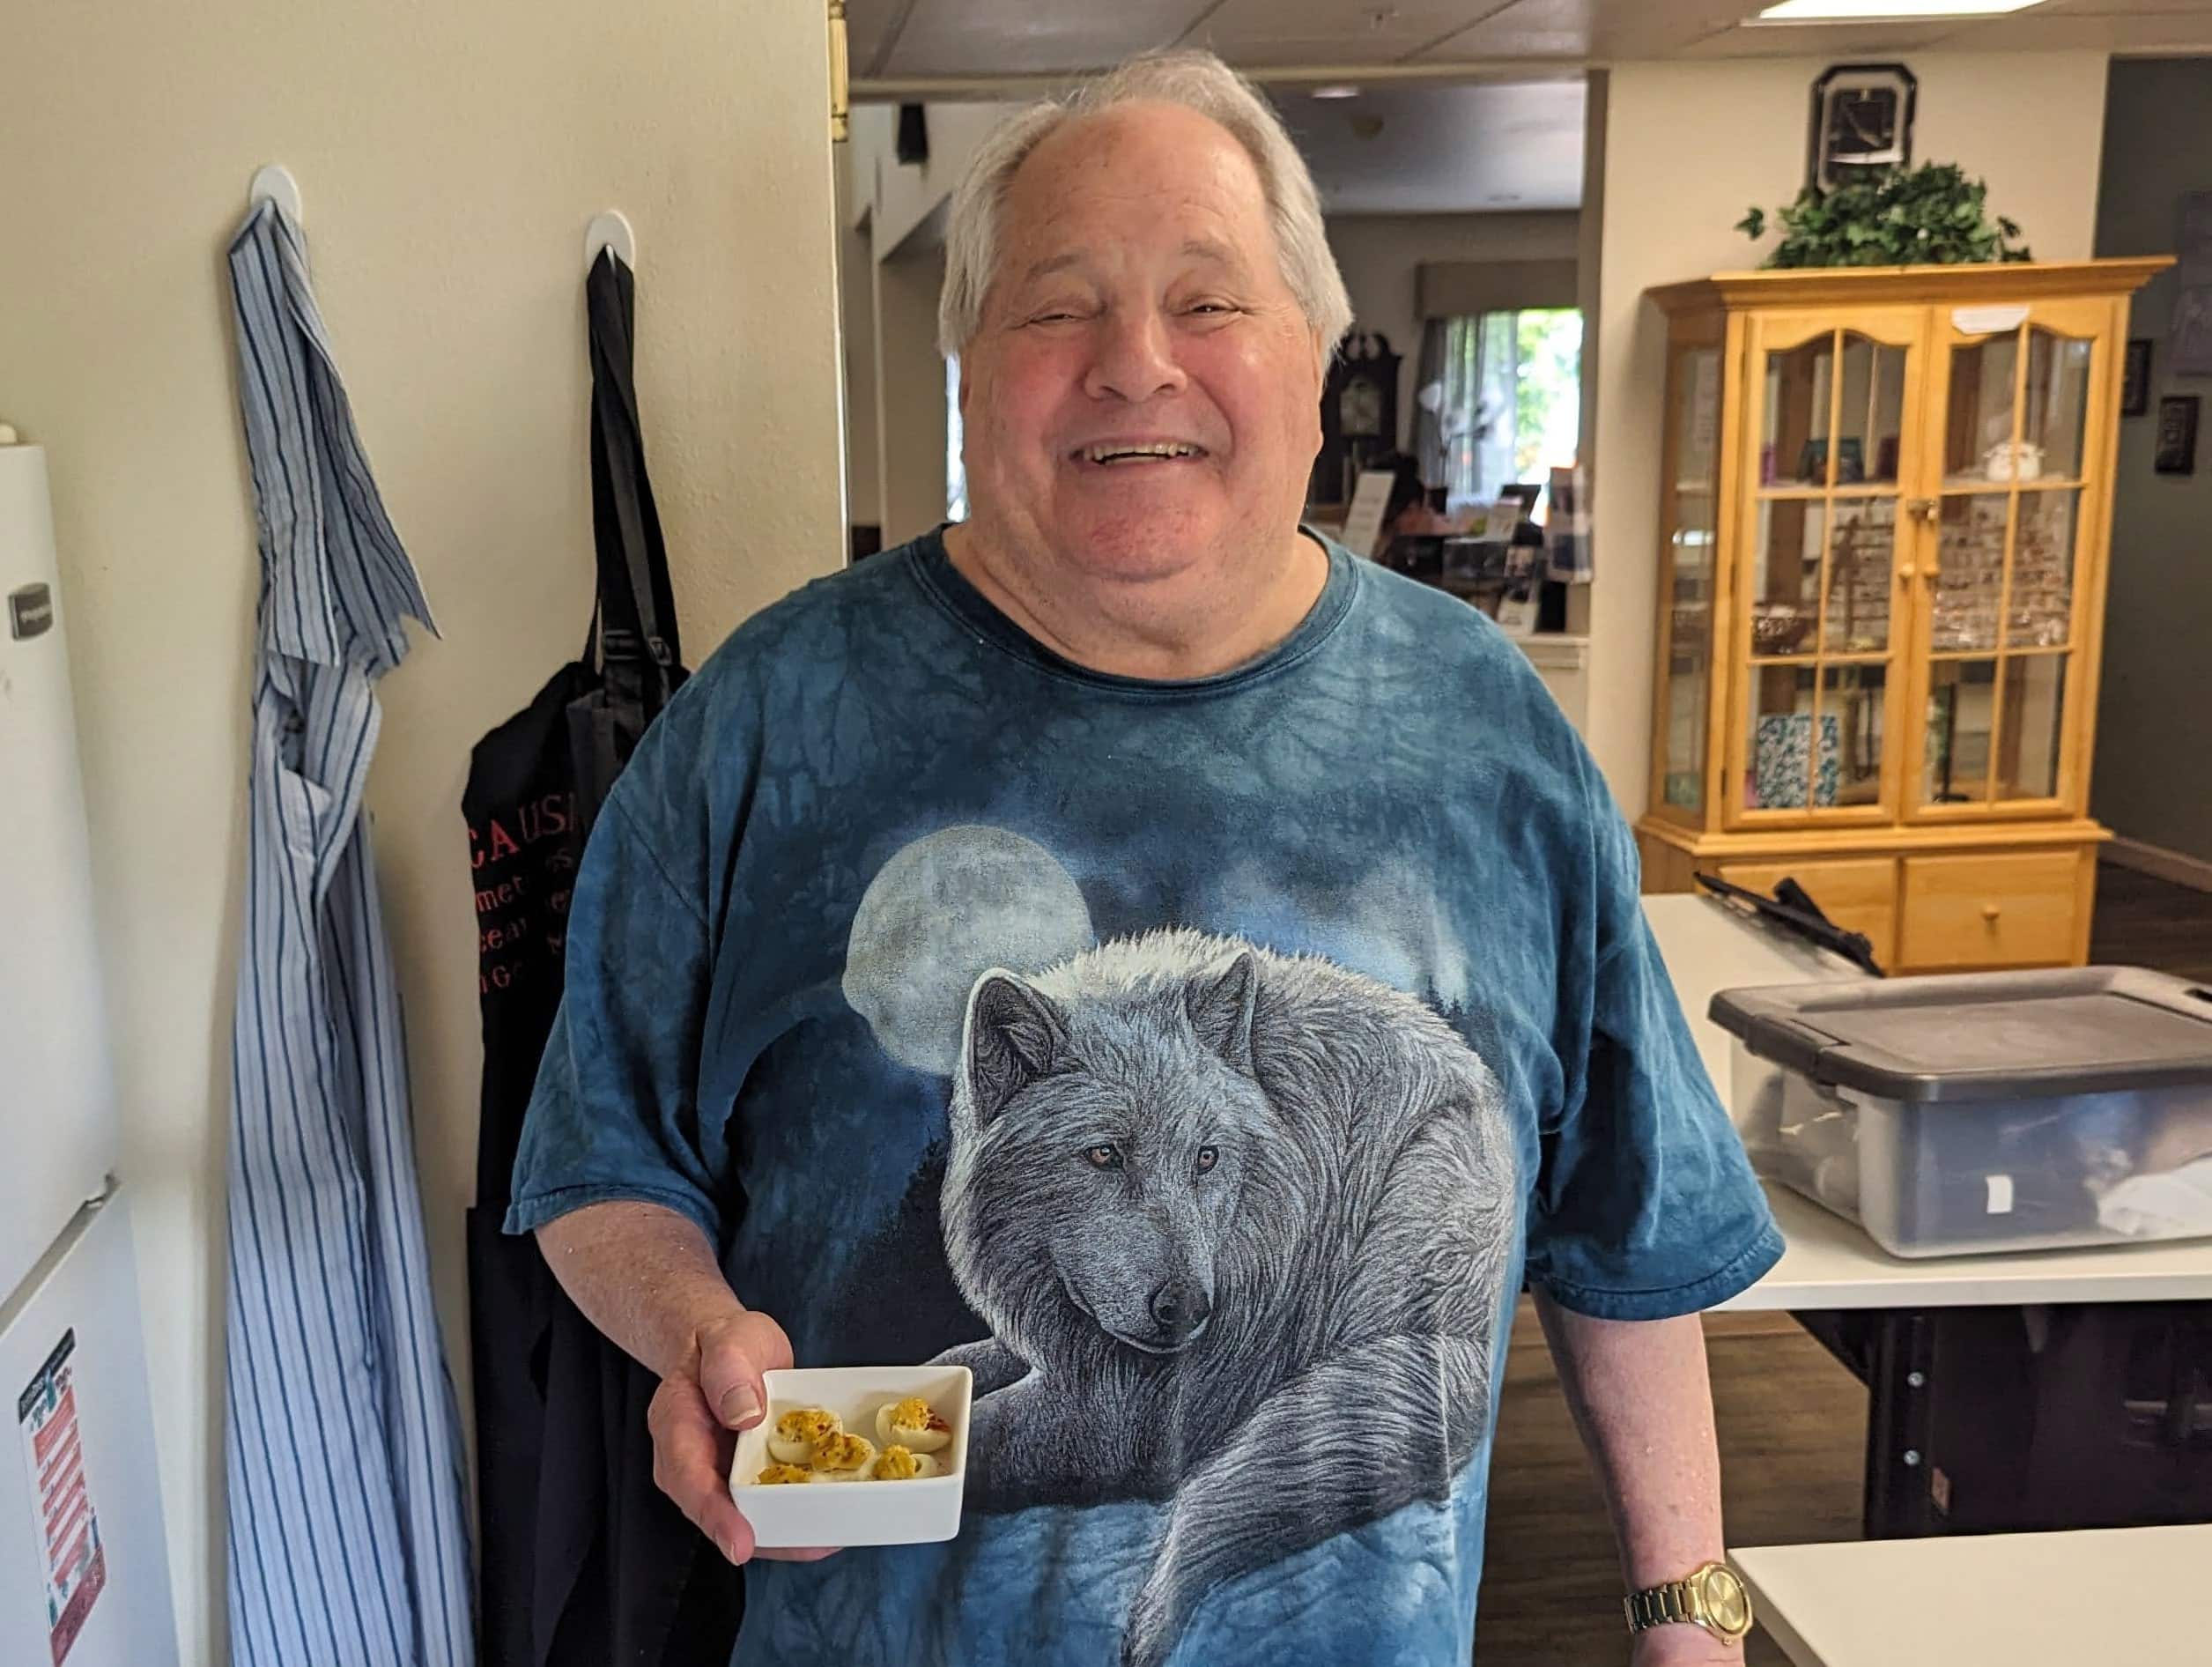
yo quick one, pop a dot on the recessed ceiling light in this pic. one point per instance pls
(1885, 10)
(1336, 92)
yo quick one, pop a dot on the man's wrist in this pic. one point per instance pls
(1682, 1646)
(714, 1314)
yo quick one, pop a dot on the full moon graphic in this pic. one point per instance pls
(937, 916)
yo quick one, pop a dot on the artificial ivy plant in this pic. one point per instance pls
(1932, 215)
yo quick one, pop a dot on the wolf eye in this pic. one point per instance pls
(1103, 1157)
(1208, 1157)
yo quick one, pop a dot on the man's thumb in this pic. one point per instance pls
(728, 1380)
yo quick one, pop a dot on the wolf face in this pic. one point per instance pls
(1114, 1150)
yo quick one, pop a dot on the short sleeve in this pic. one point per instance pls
(1645, 1206)
(614, 1112)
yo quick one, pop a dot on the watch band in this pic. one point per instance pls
(1659, 1606)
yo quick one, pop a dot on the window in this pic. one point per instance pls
(1503, 402)
(956, 471)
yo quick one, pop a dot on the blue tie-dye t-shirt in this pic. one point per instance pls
(1205, 1064)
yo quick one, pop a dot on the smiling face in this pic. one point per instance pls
(1144, 394)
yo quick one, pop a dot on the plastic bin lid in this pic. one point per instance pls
(1981, 1036)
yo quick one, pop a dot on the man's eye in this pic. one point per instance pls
(1208, 1157)
(1103, 1157)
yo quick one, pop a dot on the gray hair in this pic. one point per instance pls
(1197, 81)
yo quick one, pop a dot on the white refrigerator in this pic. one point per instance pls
(84, 1562)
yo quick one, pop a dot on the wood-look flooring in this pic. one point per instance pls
(1792, 1421)
(2142, 920)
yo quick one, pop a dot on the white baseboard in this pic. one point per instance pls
(2157, 860)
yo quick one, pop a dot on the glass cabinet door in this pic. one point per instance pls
(1688, 576)
(1997, 603)
(1834, 404)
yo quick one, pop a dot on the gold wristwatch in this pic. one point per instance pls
(1710, 1597)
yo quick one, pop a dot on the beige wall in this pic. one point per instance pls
(911, 405)
(892, 305)
(2154, 720)
(449, 158)
(856, 307)
(1379, 255)
(1687, 148)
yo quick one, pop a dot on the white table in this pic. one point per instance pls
(2130, 1596)
(1916, 1330)
(1829, 1263)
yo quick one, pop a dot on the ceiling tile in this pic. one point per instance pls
(1431, 149)
(1598, 30)
(868, 26)
(1264, 32)
(1527, 29)
(1029, 37)
(2141, 28)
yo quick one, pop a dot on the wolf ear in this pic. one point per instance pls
(1016, 1035)
(1221, 1012)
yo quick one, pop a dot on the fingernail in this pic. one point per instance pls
(743, 1406)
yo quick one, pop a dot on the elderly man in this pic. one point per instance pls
(1132, 947)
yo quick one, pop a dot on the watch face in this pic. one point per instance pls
(1725, 1600)
(1862, 124)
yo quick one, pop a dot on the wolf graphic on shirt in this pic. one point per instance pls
(1239, 1224)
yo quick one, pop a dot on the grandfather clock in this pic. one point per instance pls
(1359, 416)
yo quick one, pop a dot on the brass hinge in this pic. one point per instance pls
(840, 78)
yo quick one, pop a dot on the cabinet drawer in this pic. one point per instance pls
(1858, 893)
(2019, 910)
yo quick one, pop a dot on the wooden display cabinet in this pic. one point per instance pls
(1885, 507)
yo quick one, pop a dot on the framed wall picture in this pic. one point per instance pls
(2135, 386)
(2189, 336)
(2177, 451)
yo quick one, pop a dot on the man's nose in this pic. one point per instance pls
(1136, 361)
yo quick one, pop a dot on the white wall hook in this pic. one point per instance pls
(609, 228)
(275, 182)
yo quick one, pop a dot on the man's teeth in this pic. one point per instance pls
(1118, 454)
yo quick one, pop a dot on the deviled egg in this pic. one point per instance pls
(914, 1425)
(902, 1464)
(842, 1458)
(783, 1475)
(799, 1432)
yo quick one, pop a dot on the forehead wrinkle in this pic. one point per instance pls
(1210, 239)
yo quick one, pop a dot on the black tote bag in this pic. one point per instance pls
(584, 1562)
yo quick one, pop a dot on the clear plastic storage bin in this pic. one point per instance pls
(2001, 1111)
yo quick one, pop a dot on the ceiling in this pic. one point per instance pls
(909, 41)
(1412, 149)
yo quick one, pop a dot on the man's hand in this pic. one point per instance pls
(1681, 1645)
(695, 1418)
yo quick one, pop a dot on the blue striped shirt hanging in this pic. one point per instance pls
(347, 1529)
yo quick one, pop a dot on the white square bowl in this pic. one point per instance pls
(842, 1514)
